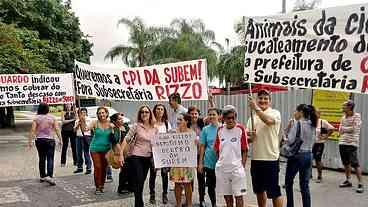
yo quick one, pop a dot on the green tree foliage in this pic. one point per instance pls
(187, 40)
(142, 40)
(21, 48)
(53, 22)
(230, 67)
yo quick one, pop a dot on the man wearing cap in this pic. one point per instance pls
(349, 143)
(231, 147)
(265, 159)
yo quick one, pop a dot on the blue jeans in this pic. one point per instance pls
(301, 163)
(108, 171)
(46, 150)
(83, 150)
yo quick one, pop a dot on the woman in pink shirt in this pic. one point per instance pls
(138, 141)
(43, 126)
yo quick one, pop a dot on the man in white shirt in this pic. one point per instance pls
(265, 160)
(175, 104)
(231, 147)
(348, 144)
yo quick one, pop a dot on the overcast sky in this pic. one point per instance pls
(99, 18)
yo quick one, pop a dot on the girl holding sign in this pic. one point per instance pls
(163, 126)
(183, 176)
(197, 126)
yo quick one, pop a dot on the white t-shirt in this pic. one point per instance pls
(322, 124)
(229, 145)
(86, 133)
(174, 115)
(162, 128)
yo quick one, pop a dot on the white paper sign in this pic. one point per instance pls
(322, 49)
(32, 89)
(149, 83)
(174, 150)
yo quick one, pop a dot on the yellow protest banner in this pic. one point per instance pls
(330, 105)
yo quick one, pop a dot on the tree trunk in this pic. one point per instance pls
(7, 117)
(2, 117)
(10, 120)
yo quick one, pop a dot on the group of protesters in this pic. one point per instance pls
(222, 143)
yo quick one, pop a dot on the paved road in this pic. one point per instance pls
(19, 185)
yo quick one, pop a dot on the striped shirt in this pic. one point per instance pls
(350, 130)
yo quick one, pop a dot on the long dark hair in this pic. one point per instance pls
(43, 109)
(188, 118)
(309, 112)
(164, 116)
(200, 122)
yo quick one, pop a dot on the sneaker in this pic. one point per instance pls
(109, 179)
(88, 172)
(99, 191)
(360, 188)
(165, 200)
(123, 191)
(345, 184)
(42, 180)
(319, 180)
(152, 199)
(50, 181)
(78, 171)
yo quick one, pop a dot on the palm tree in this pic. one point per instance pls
(188, 40)
(230, 67)
(142, 40)
(193, 26)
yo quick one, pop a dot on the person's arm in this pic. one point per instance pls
(268, 120)
(211, 101)
(216, 146)
(356, 125)
(202, 146)
(244, 146)
(63, 121)
(76, 126)
(32, 133)
(330, 129)
(250, 134)
(57, 131)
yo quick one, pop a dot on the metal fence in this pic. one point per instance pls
(286, 103)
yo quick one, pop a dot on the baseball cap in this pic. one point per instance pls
(349, 103)
(228, 108)
(263, 92)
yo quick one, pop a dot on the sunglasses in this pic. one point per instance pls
(144, 112)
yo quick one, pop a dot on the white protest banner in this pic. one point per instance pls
(323, 49)
(174, 150)
(149, 83)
(32, 89)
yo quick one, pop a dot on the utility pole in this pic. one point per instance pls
(283, 6)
